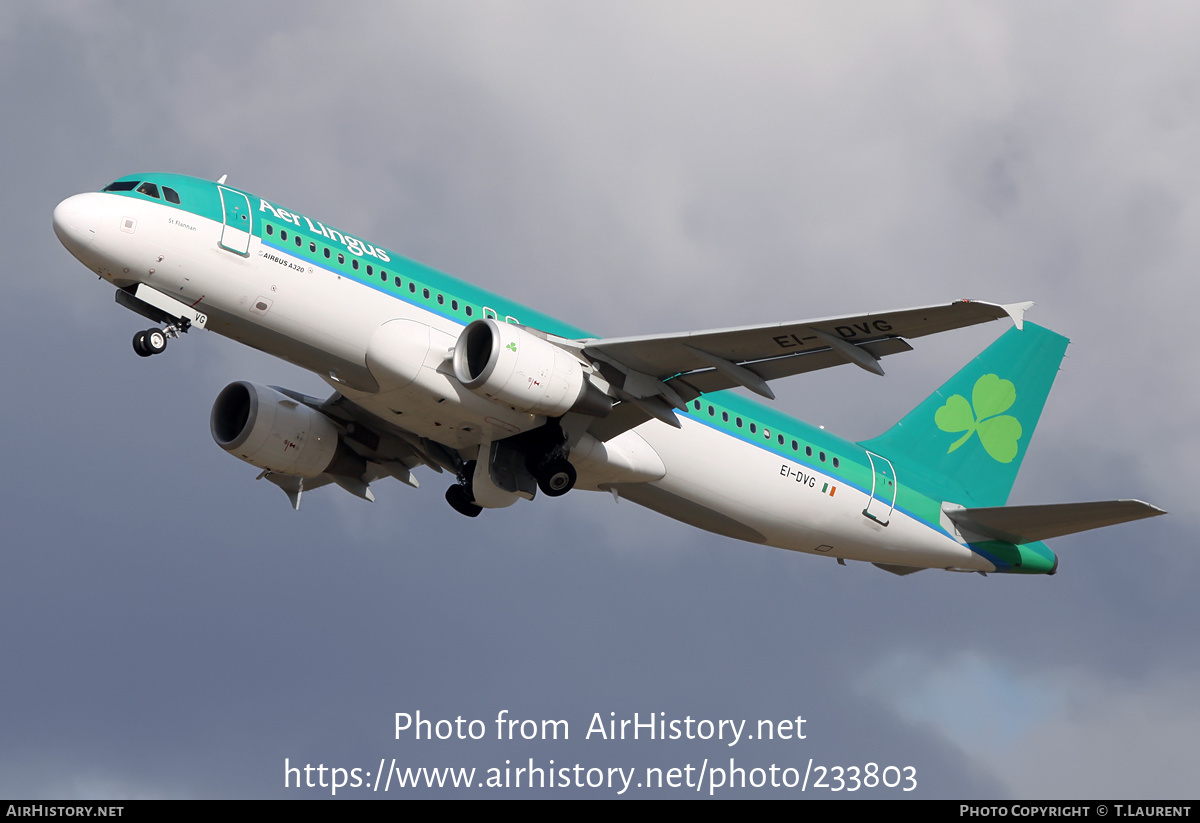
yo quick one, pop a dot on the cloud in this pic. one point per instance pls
(1049, 732)
(632, 168)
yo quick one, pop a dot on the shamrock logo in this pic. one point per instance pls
(998, 432)
(511, 347)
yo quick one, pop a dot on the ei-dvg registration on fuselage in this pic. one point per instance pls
(430, 371)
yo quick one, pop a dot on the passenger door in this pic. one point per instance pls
(235, 234)
(883, 490)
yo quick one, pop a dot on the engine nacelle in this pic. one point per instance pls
(270, 430)
(508, 365)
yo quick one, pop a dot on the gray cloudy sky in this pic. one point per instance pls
(170, 628)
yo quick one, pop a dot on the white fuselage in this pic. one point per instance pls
(314, 317)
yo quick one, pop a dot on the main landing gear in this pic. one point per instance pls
(545, 451)
(460, 496)
(519, 466)
(555, 476)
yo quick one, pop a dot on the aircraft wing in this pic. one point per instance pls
(386, 450)
(652, 374)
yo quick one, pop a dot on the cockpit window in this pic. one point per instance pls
(148, 188)
(121, 185)
(171, 195)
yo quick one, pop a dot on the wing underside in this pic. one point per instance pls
(386, 451)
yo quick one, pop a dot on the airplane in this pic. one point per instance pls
(430, 371)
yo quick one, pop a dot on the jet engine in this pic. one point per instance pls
(270, 430)
(506, 364)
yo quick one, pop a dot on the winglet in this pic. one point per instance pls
(1017, 312)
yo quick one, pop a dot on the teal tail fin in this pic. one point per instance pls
(965, 442)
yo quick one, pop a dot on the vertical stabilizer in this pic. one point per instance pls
(965, 442)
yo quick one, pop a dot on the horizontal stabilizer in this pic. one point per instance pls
(1028, 524)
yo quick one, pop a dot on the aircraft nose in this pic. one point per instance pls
(76, 220)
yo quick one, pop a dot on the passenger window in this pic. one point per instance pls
(283, 234)
(370, 269)
(441, 300)
(470, 311)
(270, 230)
(299, 241)
(753, 428)
(341, 258)
(425, 292)
(312, 247)
(150, 189)
(354, 263)
(808, 451)
(836, 463)
(326, 252)
(171, 195)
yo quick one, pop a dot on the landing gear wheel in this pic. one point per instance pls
(154, 341)
(556, 477)
(460, 500)
(139, 344)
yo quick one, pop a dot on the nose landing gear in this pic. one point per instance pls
(158, 308)
(151, 341)
(154, 341)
